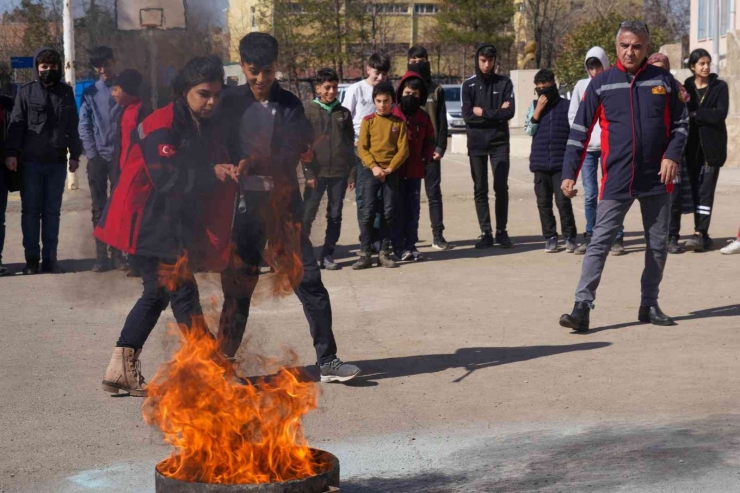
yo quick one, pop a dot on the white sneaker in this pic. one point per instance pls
(732, 248)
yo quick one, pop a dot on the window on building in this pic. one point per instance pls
(705, 18)
(388, 8)
(426, 8)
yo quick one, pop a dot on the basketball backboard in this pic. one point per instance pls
(134, 15)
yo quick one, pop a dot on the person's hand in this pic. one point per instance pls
(478, 111)
(437, 156)
(73, 165)
(541, 104)
(379, 173)
(668, 171)
(351, 186)
(224, 172)
(11, 163)
(506, 104)
(312, 183)
(569, 188)
(242, 169)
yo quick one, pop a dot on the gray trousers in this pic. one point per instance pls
(610, 214)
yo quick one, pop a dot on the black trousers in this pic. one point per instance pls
(335, 189)
(4, 183)
(251, 233)
(370, 199)
(433, 187)
(547, 185)
(703, 185)
(98, 176)
(144, 315)
(479, 170)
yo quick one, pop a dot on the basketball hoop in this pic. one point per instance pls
(151, 18)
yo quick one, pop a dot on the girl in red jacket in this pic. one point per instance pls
(171, 203)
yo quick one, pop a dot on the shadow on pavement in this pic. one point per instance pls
(68, 266)
(720, 311)
(468, 360)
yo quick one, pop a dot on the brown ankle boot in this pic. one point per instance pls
(124, 373)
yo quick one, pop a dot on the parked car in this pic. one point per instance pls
(453, 100)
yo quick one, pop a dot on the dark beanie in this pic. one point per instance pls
(129, 80)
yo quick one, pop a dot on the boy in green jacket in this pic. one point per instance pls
(330, 167)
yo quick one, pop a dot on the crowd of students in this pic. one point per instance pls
(176, 174)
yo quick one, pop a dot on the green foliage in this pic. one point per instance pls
(598, 32)
(472, 22)
(43, 20)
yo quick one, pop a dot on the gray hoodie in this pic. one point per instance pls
(594, 144)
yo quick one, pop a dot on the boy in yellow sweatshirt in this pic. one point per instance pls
(382, 148)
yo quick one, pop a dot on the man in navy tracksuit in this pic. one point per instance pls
(644, 127)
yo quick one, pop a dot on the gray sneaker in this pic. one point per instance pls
(570, 245)
(407, 256)
(552, 245)
(328, 263)
(618, 248)
(387, 260)
(337, 371)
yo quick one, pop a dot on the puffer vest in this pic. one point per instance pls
(548, 144)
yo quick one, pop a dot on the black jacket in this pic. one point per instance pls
(437, 110)
(334, 143)
(43, 125)
(707, 128)
(292, 134)
(490, 131)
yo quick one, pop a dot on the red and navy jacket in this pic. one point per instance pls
(642, 121)
(419, 131)
(167, 199)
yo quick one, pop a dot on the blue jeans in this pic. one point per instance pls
(41, 208)
(406, 233)
(590, 178)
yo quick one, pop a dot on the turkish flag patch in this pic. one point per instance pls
(167, 150)
(659, 90)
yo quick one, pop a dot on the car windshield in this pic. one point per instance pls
(452, 94)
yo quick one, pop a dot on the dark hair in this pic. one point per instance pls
(197, 71)
(488, 51)
(50, 57)
(418, 51)
(379, 62)
(594, 63)
(384, 87)
(326, 75)
(259, 49)
(100, 55)
(130, 81)
(543, 76)
(415, 83)
(697, 55)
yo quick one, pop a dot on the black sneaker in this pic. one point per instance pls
(337, 371)
(485, 241)
(364, 262)
(618, 248)
(440, 243)
(31, 268)
(503, 240)
(4, 271)
(552, 245)
(579, 320)
(50, 266)
(581, 250)
(570, 245)
(695, 243)
(673, 245)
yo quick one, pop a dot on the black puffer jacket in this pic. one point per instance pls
(489, 92)
(707, 128)
(43, 125)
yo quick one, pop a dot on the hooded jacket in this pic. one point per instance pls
(167, 199)
(334, 142)
(419, 131)
(98, 114)
(642, 120)
(435, 106)
(120, 151)
(594, 144)
(488, 132)
(43, 125)
(707, 128)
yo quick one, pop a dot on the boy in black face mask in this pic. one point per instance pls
(547, 122)
(410, 98)
(42, 130)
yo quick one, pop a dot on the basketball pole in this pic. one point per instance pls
(153, 65)
(68, 24)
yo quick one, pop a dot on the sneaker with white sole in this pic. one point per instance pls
(328, 263)
(407, 256)
(417, 255)
(551, 246)
(440, 243)
(338, 371)
(733, 248)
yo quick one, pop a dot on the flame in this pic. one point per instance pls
(223, 428)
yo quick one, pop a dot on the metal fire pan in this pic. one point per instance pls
(325, 482)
